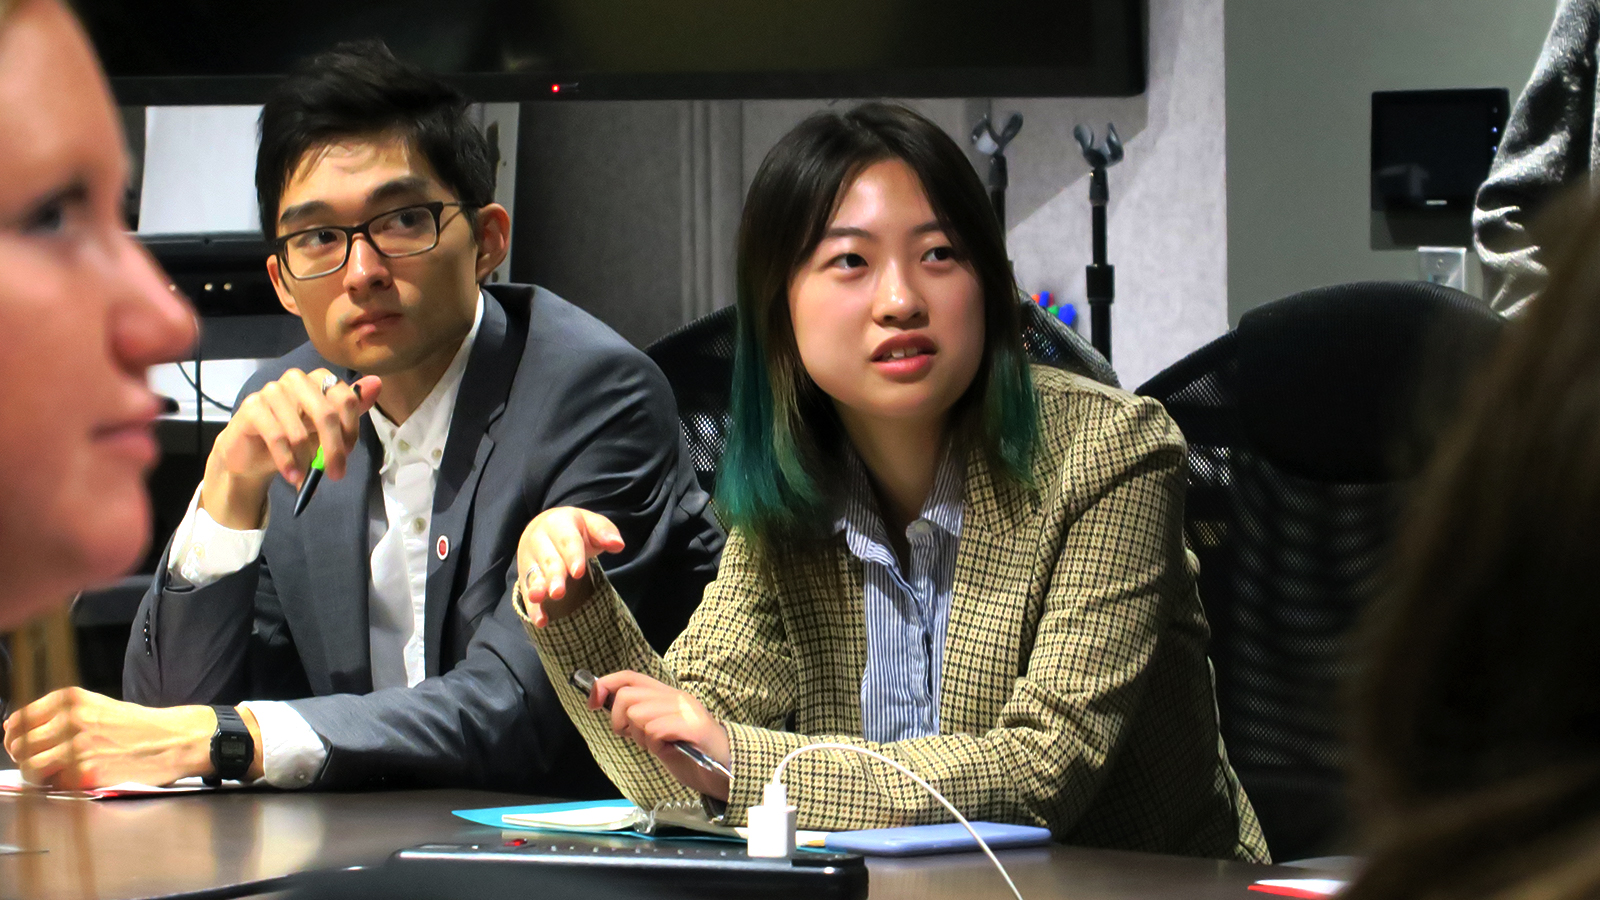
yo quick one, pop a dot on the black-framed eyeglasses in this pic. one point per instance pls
(325, 249)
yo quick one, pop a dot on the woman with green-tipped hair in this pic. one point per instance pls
(938, 552)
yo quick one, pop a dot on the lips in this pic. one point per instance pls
(904, 346)
(904, 357)
(133, 436)
(372, 320)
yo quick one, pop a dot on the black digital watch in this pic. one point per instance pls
(232, 748)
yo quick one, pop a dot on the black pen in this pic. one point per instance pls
(309, 486)
(583, 680)
(314, 473)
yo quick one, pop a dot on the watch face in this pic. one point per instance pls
(235, 749)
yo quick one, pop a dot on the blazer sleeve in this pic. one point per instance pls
(628, 463)
(222, 643)
(1113, 573)
(490, 722)
(191, 645)
(1546, 146)
(734, 657)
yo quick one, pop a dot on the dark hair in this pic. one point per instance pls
(780, 474)
(1478, 710)
(358, 89)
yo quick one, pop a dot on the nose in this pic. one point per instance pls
(366, 268)
(150, 323)
(897, 301)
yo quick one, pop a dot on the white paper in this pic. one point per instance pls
(1326, 887)
(199, 170)
(11, 780)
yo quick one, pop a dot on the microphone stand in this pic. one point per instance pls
(993, 146)
(1099, 276)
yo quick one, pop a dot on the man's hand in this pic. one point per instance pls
(276, 431)
(556, 546)
(655, 716)
(75, 739)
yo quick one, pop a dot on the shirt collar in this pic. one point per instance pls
(863, 526)
(426, 430)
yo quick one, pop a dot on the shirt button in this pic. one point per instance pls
(919, 528)
(437, 454)
(417, 525)
(405, 447)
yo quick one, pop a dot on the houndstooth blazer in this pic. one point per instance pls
(1076, 695)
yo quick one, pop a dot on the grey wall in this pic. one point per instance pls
(630, 209)
(1300, 76)
(1166, 234)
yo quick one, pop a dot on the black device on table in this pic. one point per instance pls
(583, 867)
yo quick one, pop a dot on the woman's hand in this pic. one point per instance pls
(557, 546)
(655, 717)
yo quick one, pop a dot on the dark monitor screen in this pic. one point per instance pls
(1432, 149)
(652, 48)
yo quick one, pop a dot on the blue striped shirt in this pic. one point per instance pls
(906, 612)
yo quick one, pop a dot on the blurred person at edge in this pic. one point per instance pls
(1478, 711)
(84, 312)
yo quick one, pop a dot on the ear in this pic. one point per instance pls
(277, 274)
(494, 239)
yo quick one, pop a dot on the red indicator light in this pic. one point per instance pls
(555, 88)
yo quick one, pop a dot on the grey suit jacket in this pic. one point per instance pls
(554, 409)
(1548, 146)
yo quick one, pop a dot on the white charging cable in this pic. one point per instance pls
(772, 824)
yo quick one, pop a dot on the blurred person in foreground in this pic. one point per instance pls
(84, 312)
(1478, 712)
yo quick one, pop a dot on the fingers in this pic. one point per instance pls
(276, 423)
(555, 547)
(638, 698)
(39, 728)
(333, 409)
(60, 766)
(552, 565)
(288, 419)
(599, 535)
(326, 405)
(367, 389)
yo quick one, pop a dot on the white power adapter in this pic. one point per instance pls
(773, 824)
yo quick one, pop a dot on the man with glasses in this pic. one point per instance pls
(371, 638)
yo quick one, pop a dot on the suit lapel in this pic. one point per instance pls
(479, 403)
(993, 579)
(334, 534)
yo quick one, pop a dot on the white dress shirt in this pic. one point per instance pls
(399, 525)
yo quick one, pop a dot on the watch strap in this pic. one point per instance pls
(232, 747)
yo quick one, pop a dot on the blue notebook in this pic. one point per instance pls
(920, 840)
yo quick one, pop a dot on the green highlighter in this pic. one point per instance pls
(309, 486)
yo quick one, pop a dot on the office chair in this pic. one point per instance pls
(1305, 426)
(698, 362)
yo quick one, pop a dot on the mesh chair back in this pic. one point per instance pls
(1304, 426)
(698, 362)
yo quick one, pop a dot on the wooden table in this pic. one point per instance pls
(239, 843)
